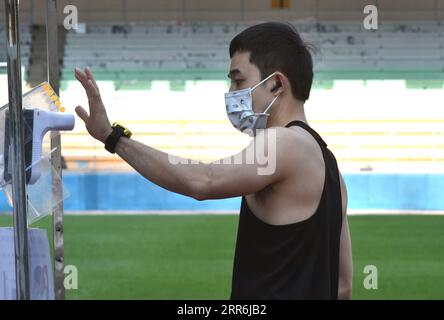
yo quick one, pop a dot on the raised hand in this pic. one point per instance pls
(97, 122)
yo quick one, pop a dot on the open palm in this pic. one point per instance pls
(97, 122)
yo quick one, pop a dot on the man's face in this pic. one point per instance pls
(244, 74)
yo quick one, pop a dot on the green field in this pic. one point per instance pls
(190, 257)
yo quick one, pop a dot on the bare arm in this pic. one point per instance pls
(231, 177)
(345, 252)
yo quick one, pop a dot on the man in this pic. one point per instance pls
(293, 239)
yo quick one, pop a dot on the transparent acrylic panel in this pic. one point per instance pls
(41, 114)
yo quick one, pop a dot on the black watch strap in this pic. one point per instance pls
(113, 138)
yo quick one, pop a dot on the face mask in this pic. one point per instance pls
(239, 105)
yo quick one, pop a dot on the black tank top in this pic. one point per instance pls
(292, 261)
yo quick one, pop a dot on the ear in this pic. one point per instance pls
(281, 83)
(277, 86)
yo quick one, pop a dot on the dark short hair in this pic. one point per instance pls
(277, 46)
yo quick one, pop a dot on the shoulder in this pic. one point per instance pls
(294, 139)
(294, 145)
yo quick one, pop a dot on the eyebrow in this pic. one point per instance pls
(233, 72)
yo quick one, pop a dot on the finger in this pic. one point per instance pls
(79, 74)
(91, 91)
(91, 77)
(89, 87)
(81, 77)
(82, 113)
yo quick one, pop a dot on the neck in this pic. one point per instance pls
(285, 113)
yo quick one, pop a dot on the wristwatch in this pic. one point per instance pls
(118, 131)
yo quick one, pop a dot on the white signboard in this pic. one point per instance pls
(40, 268)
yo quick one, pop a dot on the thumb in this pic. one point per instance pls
(82, 113)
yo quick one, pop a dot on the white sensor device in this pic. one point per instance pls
(39, 122)
(45, 121)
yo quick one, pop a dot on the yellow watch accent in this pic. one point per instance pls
(126, 132)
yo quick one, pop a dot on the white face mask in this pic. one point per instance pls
(239, 105)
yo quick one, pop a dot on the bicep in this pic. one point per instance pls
(261, 164)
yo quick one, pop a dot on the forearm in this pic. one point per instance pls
(170, 172)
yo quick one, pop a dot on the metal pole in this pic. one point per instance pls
(56, 156)
(16, 131)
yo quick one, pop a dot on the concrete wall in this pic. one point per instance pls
(229, 10)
